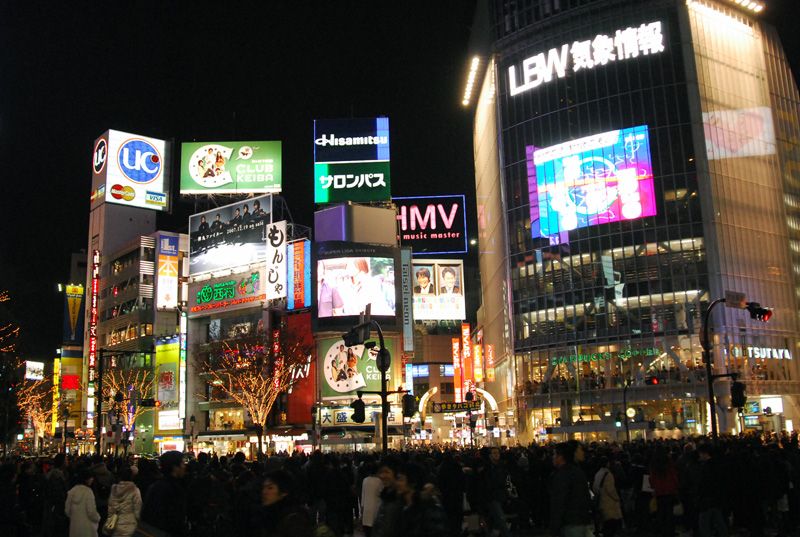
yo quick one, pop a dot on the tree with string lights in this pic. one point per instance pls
(35, 403)
(130, 382)
(10, 369)
(254, 373)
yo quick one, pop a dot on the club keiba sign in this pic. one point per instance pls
(230, 167)
(351, 160)
(601, 50)
(346, 369)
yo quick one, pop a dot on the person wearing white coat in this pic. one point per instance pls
(370, 498)
(81, 508)
(126, 502)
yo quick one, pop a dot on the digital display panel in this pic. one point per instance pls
(351, 275)
(230, 167)
(229, 236)
(746, 132)
(594, 180)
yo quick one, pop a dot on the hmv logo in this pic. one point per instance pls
(100, 155)
(139, 161)
(434, 216)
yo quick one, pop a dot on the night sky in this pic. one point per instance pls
(217, 72)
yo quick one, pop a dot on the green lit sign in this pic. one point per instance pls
(231, 167)
(352, 181)
(600, 356)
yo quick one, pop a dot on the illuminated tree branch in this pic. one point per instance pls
(132, 382)
(35, 402)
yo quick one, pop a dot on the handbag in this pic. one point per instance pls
(111, 524)
(511, 490)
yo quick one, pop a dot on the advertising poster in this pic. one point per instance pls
(298, 275)
(167, 283)
(73, 314)
(350, 276)
(438, 290)
(351, 160)
(231, 167)
(747, 132)
(344, 370)
(276, 260)
(34, 370)
(432, 224)
(130, 169)
(229, 236)
(227, 293)
(167, 357)
(303, 393)
(594, 180)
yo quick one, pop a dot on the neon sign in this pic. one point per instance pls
(603, 49)
(228, 290)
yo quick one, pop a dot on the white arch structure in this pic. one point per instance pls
(423, 401)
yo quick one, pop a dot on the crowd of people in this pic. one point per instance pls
(661, 488)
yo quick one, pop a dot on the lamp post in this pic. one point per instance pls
(625, 385)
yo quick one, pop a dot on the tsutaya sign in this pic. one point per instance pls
(603, 49)
(760, 353)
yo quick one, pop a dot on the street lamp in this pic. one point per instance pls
(733, 300)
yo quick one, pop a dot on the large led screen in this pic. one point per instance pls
(438, 290)
(746, 132)
(594, 180)
(349, 276)
(229, 236)
(230, 167)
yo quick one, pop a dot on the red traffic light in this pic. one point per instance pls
(651, 381)
(758, 313)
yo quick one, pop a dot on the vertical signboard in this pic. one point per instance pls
(477, 356)
(182, 366)
(405, 293)
(298, 276)
(167, 283)
(490, 363)
(351, 160)
(466, 356)
(93, 305)
(276, 260)
(73, 315)
(167, 392)
(56, 394)
(302, 393)
(458, 380)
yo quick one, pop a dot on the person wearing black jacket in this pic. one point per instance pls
(281, 515)
(165, 504)
(570, 505)
(421, 516)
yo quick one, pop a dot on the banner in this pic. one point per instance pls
(167, 283)
(344, 370)
(231, 167)
(276, 260)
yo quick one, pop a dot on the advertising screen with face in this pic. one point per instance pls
(594, 180)
(438, 290)
(346, 369)
(229, 236)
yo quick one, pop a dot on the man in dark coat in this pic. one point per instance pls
(570, 506)
(165, 504)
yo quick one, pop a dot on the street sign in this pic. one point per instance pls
(735, 299)
(439, 408)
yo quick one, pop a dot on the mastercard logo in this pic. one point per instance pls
(119, 192)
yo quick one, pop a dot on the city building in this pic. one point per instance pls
(635, 161)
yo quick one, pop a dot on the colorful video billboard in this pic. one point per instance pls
(438, 290)
(231, 167)
(345, 370)
(130, 169)
(432, 225)
(351, 160)
(746, 132)
(598, 179)
(229, 236)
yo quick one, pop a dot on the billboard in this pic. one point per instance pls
(351, 160)
(73, 313)
(302, 394)
(438, 290)
(298, 276)
(230, 167)
(276, 260)
(432, 224)
(34, 370)
(602, 178)
(747, 132)
(344, 370)
(227, 293)
(351, 276)
(130, 169)
(167, 282)
(167, 358)
(229, 236)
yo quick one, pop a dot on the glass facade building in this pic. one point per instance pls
(644, 157)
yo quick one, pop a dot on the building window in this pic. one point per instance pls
(447, 388)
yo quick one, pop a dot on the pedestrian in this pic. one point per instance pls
(80, 506)
(570, 505)
(452, 483)
(125, 502)
(387, 521)
(164, 508)
(664, 482)
(54, 521)
(281, 515)
(497, 484)
(422, 515)
(711, 520)
(371, 489)
(607, 500)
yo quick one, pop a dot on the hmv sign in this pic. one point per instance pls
(131, 170)
(432, 224)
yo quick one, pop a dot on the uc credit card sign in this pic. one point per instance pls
(351, 160)
(131, 169)
(597, 179)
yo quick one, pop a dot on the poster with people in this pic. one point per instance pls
(346, 285)
(439, 290)
(346, 370)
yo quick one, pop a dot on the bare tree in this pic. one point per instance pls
(130, 382)
(35, 402)
(253, 372)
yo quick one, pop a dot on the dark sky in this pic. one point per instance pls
(222, 71)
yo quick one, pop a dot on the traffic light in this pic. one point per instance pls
(651, 380)
(409, 405)
(145, 403)
(358, 411)
(758, 313)
(738, 395)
